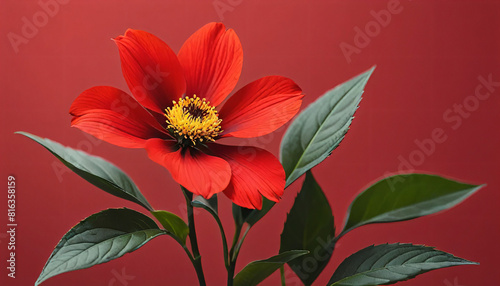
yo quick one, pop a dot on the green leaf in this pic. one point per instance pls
(404, 197)
(256, 271)
(316, 132)
(253, 216)
(173, 224)
(320, 128)
(95, 170)
(256, 215)
(209, 205)
(309, 226)
(240, 214)
(390, 263)
(101, 237)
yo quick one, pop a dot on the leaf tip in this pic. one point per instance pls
(468, 262)
(369, 71)
(21, 133)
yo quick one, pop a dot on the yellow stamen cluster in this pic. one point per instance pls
(194, 120)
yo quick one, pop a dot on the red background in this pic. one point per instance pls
(428, 58)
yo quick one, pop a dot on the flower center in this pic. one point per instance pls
(193, 120)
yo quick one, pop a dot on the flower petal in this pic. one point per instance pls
(254, 172)
(250, 199)
(212, 59)
(115, 117)
(151, 69)
(261, 107)
(198, 172)
(113, 99)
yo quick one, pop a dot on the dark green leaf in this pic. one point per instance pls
(404, 197)
(316, 132)
(253, 216)
(320, 128)
(256, 271)
(390, 263)
(309, 226)
(210, 205)
(240, 214)
(173, 224)
(101, 237)
(95, 170)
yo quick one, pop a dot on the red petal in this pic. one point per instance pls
(198, 172)
(261, 107)
(115, 117)
(113, 99)
(212, 59)
(250, 199)
(255, 172)
(151, 69)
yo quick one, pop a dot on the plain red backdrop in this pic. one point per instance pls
(429, 57)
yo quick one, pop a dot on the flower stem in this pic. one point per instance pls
(235, 250)
(192, 238)
(282, 273)
(240, 243)
(224, 242)
(232, 264)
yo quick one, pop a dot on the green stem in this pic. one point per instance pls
(238, 246)
(230, 274)
(282, 272)
(224, 242)
(196, 260)
(338, 237)
(235, 250)
(230, 269)
(237, 233)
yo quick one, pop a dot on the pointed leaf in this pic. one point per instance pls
(256, 271)
(95, 170)
(320, 128)
(404, 197)
(174, 224)
(316, 132)
(390, 263)
(309, 226)
(253, 216)
(210, 205)
(101, 237)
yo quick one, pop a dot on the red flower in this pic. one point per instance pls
(175, 115)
